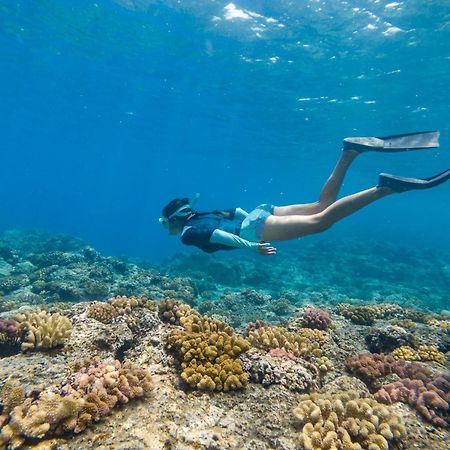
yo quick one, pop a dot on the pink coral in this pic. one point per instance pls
(432, 400)
(371, 366)
(91, 390)
(8, 327)
(316, 318)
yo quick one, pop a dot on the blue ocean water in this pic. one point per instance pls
(109, 109)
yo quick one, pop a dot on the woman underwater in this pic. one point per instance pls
(235, 228)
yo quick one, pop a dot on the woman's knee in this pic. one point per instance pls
(321, 223)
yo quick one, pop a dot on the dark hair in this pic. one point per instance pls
(173, 205)
(177, 203)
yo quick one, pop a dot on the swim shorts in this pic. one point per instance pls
(252, 227)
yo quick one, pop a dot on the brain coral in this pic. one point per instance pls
(345, 421)
(89, 392)
(43, 330)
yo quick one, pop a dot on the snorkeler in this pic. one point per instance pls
(235, 228)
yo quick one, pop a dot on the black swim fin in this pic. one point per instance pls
(395, 143)
(403, 184)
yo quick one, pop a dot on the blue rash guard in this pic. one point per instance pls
(199, 228)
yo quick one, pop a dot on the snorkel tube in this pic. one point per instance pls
(183, 211)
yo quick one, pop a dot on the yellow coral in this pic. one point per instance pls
(124, 304)
(172, 311)
(103, 312)
(209, 360)
(12, 395)
(424, 353)
(43, 330)
(430, 353)
(204, 324)
(405, 352)
(299, 344)
(345, 421)
(324, 364)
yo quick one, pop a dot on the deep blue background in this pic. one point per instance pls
(110, 109)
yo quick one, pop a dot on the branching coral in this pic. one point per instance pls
(316, 318)
(90, 391)
(345, 421)
(432, 399)
(209, 360)
(304, 343)
(42, 330)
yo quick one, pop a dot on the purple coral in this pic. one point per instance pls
(370, 366)
(316, 318)
(8, 327)
(432, 399)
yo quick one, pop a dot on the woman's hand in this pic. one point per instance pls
(264, 248)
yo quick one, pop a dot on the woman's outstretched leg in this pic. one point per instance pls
(329, 191)
(282, 228)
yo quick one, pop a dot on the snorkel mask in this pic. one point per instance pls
(182, 211)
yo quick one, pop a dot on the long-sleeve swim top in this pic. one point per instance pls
(212, 231)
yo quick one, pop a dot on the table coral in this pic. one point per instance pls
(346, 421)
(305, 343)
(91, 390)
(432, 399)
(42, 330)
(316, 318)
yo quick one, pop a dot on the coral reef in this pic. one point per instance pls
(346, 421)
(171, 310)
(91, 390)
(42, 330)
(306, 343)
(370, 367)
(280, 368)
(432, 399)
(103, 312)
(209, 360)
(424, 353)
(316, 318)
(367, 314)
(386, 339)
